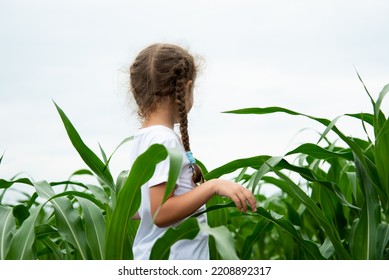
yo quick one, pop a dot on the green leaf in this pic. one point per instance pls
(318, 152)
(225, 244)
(327, 249)
(366, 117)
(121, 179)
(96, 191)
(215, 219)
(257, 162)
(368, 93)
(129, 197)
(7, 226)
(68, 220)
(81, 172)
(128, 139)
(253, 162)
(204, 170)
(364, 243)
(268, 165)
(20, 213)
(262, 226)
(80, 194)
(94, 227)
(350, 142)
(87, 155)
(45, 230)
(377, 106)
(381, 153)
(288, 186)
(382, 240)
(4, 184)
(54, 248)
(311, 250)
(22, 243)
(188, 229)
(329, 128)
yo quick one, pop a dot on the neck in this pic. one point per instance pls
(163, 115)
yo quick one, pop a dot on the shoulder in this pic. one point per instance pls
(159, 134)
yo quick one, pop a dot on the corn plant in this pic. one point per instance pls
(345, 211)
(336, 209)
(90, 221)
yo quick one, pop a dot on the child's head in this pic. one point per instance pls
(161, 73)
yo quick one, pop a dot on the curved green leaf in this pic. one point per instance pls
(53, 247)
(188, 229)
(261, 227)
(4, 184)
(224, 242)
(311, 250)
(128, 139)
(382, 240)
(128, 200)
(79, 194)
(20, 213)
(381, 153)
(22, 243)
(68, 220)
(318, 152)
(7, 226)
(288, 186)
(87, 155)
(364, 243)
(94, 227)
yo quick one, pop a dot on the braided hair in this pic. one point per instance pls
(160, 73)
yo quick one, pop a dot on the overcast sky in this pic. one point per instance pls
(297, 54)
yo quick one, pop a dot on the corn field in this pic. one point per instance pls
(337, 209)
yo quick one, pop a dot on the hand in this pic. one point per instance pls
(237, 193)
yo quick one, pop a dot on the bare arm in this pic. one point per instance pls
(177, 208)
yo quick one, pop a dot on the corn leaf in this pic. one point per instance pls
(68, 220)
(22, 243)
(364, 243)
(318, 152)
(382, 240)
(94, 227)
(261, 227)
(288, 186)
(224, 242)
(129, 197)
(188, 229)
(7, 226)
(381, 153)
(87, 155)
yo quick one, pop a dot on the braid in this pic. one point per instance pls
(183, 118)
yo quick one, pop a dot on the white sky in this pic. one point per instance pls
(296, 54)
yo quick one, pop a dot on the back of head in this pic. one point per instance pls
(160, 71)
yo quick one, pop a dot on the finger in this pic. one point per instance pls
(242, 199)
(237, 202)
(251, 200)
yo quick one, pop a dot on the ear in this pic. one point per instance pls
(188, 86)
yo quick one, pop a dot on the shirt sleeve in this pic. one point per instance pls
(161, 172)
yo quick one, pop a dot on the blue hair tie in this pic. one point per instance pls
(189, 155)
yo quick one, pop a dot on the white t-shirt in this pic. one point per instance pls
(148, 232)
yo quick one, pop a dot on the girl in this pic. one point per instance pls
(161, 80)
